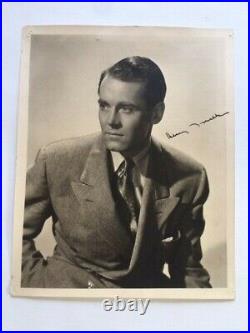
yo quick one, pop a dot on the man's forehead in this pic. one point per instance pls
(114, 86)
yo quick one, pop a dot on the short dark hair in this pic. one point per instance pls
(139, 69)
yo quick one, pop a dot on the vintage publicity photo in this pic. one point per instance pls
(125, 168)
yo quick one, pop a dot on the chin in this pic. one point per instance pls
(115, 146)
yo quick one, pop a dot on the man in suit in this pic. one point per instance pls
(122, 204)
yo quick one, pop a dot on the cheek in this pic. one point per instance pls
(102, 118)
(136, 133)
(137, 126)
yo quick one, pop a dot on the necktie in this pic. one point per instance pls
(126, 188)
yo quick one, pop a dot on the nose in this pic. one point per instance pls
(113, 119)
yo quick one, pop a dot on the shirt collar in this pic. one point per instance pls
(140, 160)
(117, 159)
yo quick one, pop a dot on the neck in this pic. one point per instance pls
(137, 153)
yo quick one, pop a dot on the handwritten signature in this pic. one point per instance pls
(171, 136)
(216, 115)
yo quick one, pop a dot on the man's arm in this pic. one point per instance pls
(185, 269)
(37, 210)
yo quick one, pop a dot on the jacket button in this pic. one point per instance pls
(90, 284)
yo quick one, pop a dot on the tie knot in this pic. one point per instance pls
(125, 168)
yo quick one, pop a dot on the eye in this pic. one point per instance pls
(127, 109)
(103, 106)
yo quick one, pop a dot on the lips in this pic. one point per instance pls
(113, 134)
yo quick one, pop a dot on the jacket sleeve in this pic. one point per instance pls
(185, 269)
(37, 211)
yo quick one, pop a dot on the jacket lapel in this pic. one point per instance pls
(164, 201)
(142, 222)
(157, 202)
(94, 187)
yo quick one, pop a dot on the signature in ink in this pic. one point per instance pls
(171, 136)
(216, 115)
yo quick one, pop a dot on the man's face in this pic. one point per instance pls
(125, 123)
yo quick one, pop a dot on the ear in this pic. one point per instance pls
(157, 112)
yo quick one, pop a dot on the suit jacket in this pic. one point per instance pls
(71, 181)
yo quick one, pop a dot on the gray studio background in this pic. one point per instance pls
(64, 74)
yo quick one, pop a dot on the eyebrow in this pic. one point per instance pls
(127, 105)
(102, 101)
(120, 104)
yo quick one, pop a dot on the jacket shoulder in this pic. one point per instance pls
(65, 159)
(186, 176)
(181, 161)
(70, 147)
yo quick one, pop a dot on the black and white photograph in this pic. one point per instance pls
(125, 163)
